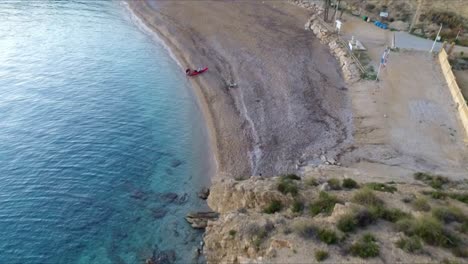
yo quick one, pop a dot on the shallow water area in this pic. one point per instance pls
(103, 146)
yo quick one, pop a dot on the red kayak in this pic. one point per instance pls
(195, 72)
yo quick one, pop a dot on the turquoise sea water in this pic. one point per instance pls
(102, 145)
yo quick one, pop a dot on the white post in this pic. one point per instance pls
(336, 9)
(458, 34)
(382, 61)
(378, 72)
(435, 40)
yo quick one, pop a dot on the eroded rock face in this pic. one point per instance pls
(256, 192)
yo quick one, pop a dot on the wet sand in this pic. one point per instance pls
(290, 103)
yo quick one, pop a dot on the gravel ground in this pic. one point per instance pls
(290, 104)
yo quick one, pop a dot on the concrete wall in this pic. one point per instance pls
(454, 90)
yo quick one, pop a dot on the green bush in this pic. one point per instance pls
(305, 229)
(312, 181)
(349, 183)
(393, 215)
(381, 187)
(327, 236)
(232, 232)
(334, 184)
(462, 197)
(321, 255)
(367, 198)
(324, 204)
(421, 204)
(439, 195)
(297, 206)
(365, 247)
(430, 230)
(347, 223)
(273, 207)
(286, 186)
(435, 181)
(291, 177)
(411, 244)
(449, 214)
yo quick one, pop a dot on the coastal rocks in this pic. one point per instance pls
(199, 220)
(204, 193)
(350, 71)
(255, 193)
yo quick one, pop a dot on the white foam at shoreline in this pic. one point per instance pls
(149, 32)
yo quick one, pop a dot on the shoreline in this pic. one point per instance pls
(178, 58)
(271, 123)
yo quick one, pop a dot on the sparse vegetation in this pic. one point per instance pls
(287, 185)
(324, 204)
(297, 206)
(381, 187)
(439, 195)
(410, 244)
(334, 184)
(321, 255)
(435, 181)
(393, 215)
(462, 197)
(232, 233)
(273, 207)
(347, 223)
(449, 214)
(327, 236)
(312, 181)
(349, 183)
(421, 204)
(430, 230)
(258, 233)
(291, 177)
(367, 198)
(365, 247)
(304, 229)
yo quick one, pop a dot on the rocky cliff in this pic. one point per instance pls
(321, 217)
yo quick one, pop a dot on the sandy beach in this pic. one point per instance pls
(290, 102)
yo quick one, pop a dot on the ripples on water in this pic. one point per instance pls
(97, 125)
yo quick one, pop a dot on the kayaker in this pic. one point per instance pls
(187, 71)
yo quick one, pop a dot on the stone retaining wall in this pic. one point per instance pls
(455, 91)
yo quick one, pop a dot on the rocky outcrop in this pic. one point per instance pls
(199, 220)
(245, 233)
(256, 193)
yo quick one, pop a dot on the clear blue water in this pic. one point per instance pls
(102, 145)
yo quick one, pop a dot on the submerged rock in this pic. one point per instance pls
(159, 213)
(204, 193)
(175, 163)
(162, 257)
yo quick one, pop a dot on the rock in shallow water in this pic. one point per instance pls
(199, 220)
(204, 193)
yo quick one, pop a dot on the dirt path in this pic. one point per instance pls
(408, 122)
